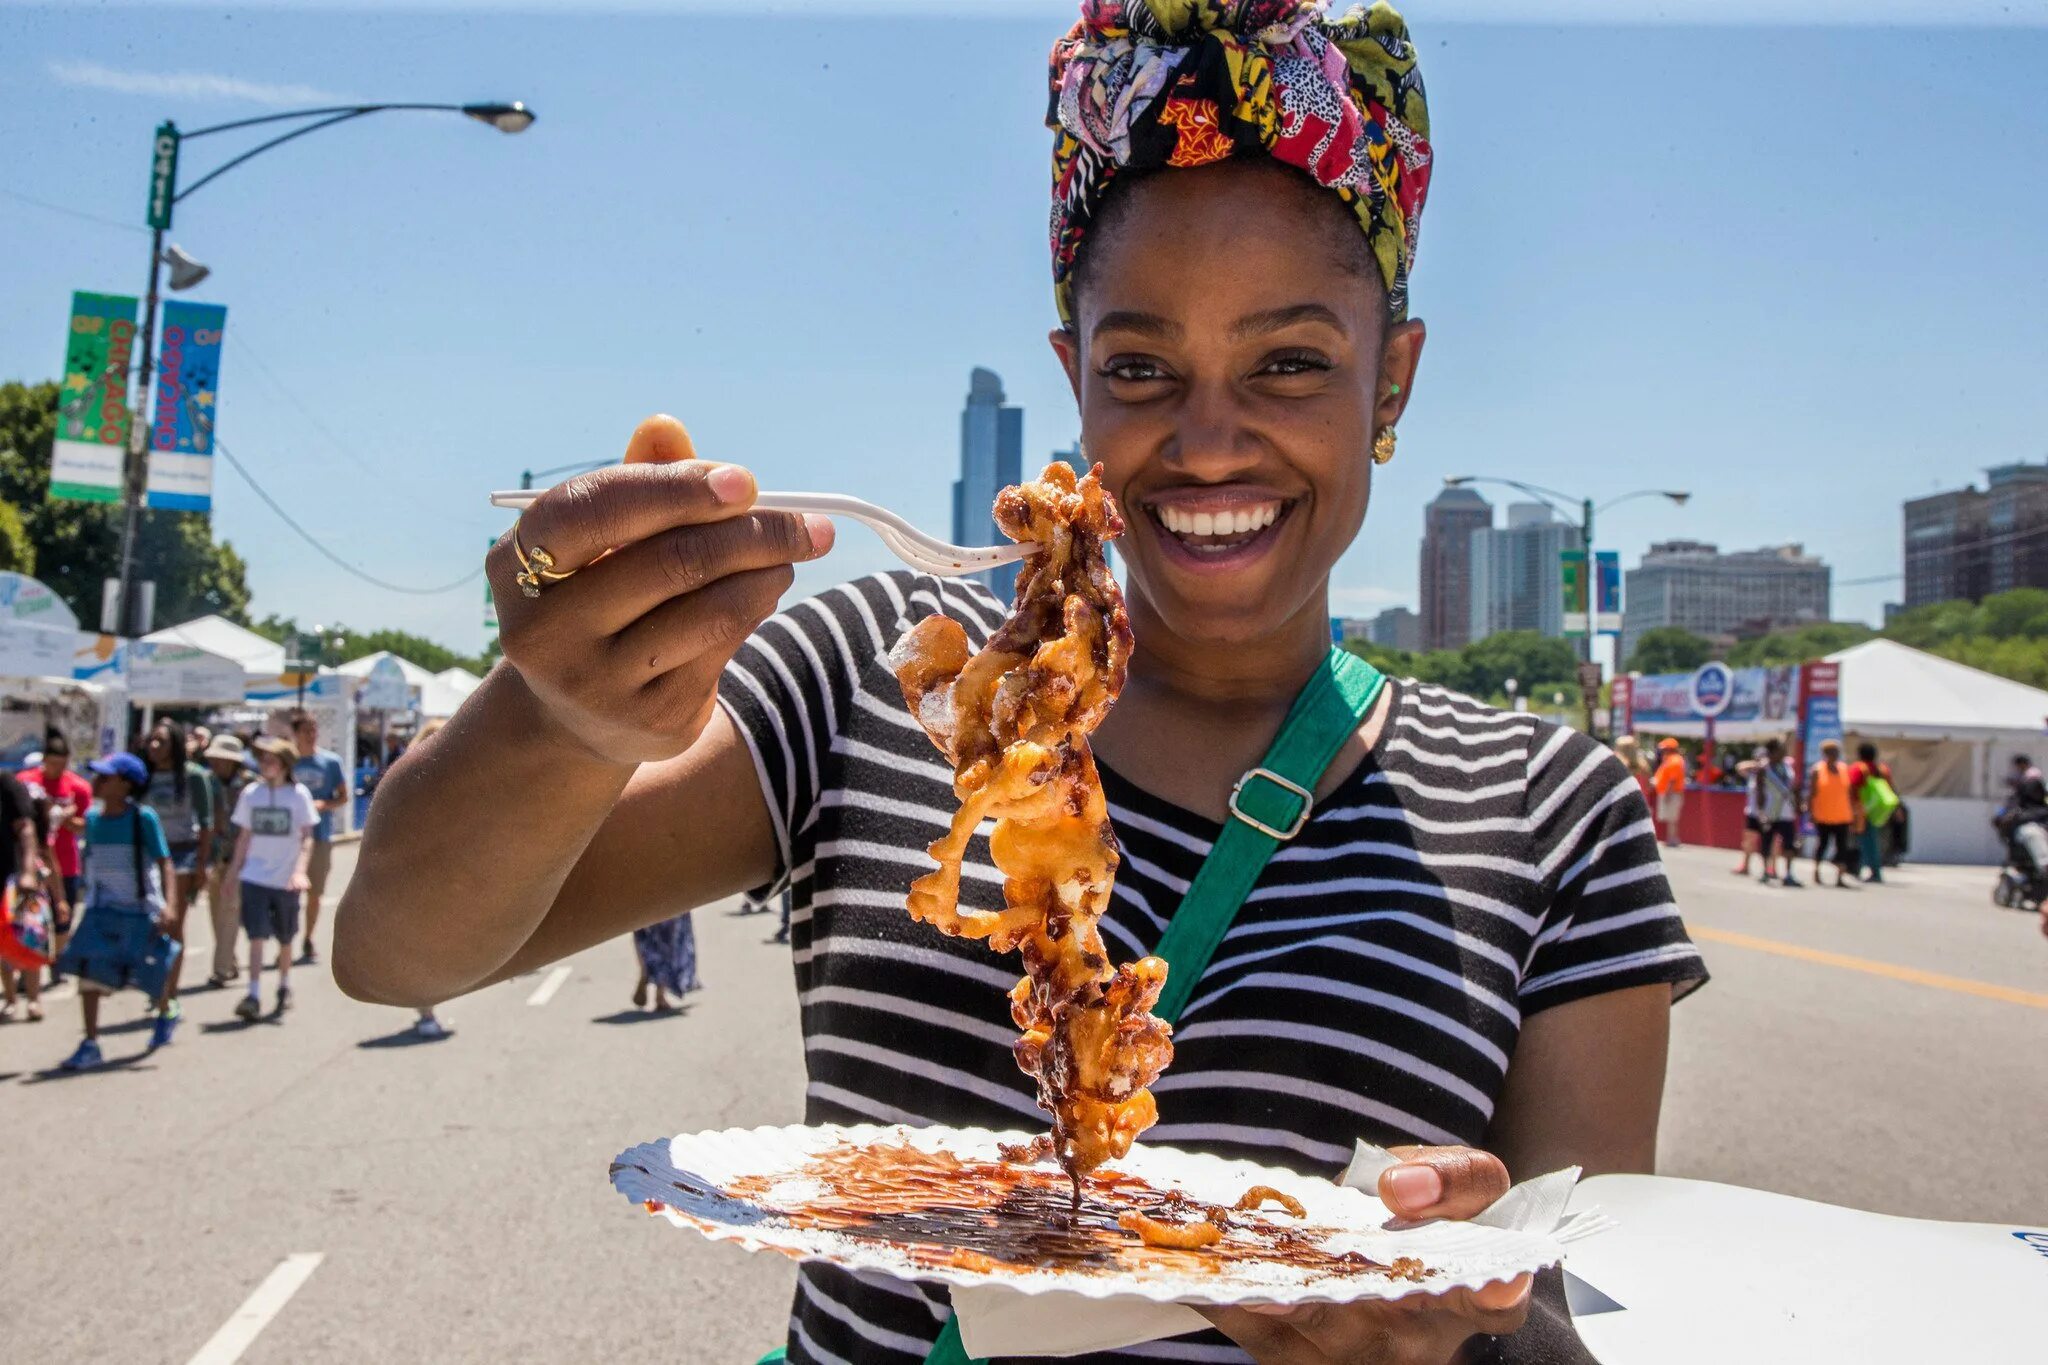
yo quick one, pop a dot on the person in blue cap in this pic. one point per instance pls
(127, 871)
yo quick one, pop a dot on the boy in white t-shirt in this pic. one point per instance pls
(276, 818)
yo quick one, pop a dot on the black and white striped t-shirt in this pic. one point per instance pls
(1479, 866)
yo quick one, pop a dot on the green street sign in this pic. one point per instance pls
(163, 175)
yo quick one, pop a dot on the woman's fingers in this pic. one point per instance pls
(660, 439)
(713, 621)
(579, 521)
(1419, 1329)
(1266, 1337)
(610, 595)
(1442, 1182)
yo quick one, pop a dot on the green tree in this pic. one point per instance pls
(1798, 646)
(1668, 649)
(428, 654)
(1395, 663)
(1533, 660)
(17, 551)
(77, 545)
(1928, 626)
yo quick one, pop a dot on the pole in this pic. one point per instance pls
(1592, 590)
(133, 471)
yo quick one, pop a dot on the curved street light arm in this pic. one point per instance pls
(1675, 495)
(1556, 501)
(218, 171)
(313, 113)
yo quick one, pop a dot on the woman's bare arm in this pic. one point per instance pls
(591, 785)
(1586, 1085)
(502, 845)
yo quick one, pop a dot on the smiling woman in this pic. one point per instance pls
(1466, 940)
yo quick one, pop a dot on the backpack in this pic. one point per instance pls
(1880, 800)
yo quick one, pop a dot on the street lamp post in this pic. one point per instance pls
(1587, 511)
(164, 196)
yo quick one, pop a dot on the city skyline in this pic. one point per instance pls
(419, 310)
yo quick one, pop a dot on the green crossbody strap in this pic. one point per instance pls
(1268, 806)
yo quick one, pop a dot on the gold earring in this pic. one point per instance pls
(1383, 446)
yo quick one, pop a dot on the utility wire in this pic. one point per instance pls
(70, 213)
(243, 350)
(337, 560)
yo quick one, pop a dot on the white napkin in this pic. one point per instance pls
(998, 1321)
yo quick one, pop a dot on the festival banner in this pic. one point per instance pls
(92, 402)
(1577, 598)
(181, 420)
(1748, 701)
(1820, 709)
(1621, 704)
(1607, 584)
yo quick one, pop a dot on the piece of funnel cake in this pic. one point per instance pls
(1014, 721)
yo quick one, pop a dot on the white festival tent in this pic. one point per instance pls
(1949, 732)
(38, 634)
(433, 694)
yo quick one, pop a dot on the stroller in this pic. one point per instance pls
(2023, 881)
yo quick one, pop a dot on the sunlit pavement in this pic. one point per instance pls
(326, 1190)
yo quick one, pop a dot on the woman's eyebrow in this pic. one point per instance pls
(1273, 319)
(1144, 324)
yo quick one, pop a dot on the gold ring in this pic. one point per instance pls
(536, 567)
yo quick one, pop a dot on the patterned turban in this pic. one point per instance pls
(1144, 84)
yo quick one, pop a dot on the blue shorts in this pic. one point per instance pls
(184, 858)
(268, 912)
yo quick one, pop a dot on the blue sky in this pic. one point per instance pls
(1797, 268)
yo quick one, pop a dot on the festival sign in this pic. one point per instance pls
(166, 673)
(1820, 709)
(181, 420)
(1577, 595)
(1763, 699)
(1607, 585)
(386, 688)
(92, 404)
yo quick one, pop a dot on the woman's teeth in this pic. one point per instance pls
(1218, 530)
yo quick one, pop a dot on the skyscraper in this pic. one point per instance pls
(991, 459)
(1692, 585)
(1447, 527)
(1966, 544)
(1516, 579)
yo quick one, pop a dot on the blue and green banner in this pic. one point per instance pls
(1572, 577)
(1607, 583)
(92, 403)
(182, 416)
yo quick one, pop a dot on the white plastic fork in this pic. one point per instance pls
(909, 544)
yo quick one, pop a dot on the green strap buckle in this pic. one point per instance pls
(1303, 799)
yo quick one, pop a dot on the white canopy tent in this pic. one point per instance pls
(260, 658)
(435, 694)
(1949, 732)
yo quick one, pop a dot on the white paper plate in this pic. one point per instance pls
(889, 1201)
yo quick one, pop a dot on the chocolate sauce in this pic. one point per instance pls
(992, 1216)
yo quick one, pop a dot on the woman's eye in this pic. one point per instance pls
(1133, 369)
(1295, 364)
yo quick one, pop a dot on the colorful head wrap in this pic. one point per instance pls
(1144, 84)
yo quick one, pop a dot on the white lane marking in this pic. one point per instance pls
(545, 991)
(235, 1335)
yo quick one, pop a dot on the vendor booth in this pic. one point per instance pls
(37, 691)
(1948, 732)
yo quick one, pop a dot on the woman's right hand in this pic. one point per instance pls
(672, 574)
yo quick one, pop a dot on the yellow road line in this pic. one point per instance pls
(1983, 990)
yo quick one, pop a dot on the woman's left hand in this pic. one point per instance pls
(1420, 1329)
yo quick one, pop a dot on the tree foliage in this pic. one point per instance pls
(428, 654)
(1668, 649)
(1538, 665)
(76, 546)
(1797, 646)
(17, 551)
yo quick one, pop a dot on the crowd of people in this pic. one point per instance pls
(105, 866)
(1852, 810)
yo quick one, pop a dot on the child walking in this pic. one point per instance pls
(274, 819)
(127, 872)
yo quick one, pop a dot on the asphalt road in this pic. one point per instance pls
(454, 1193)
